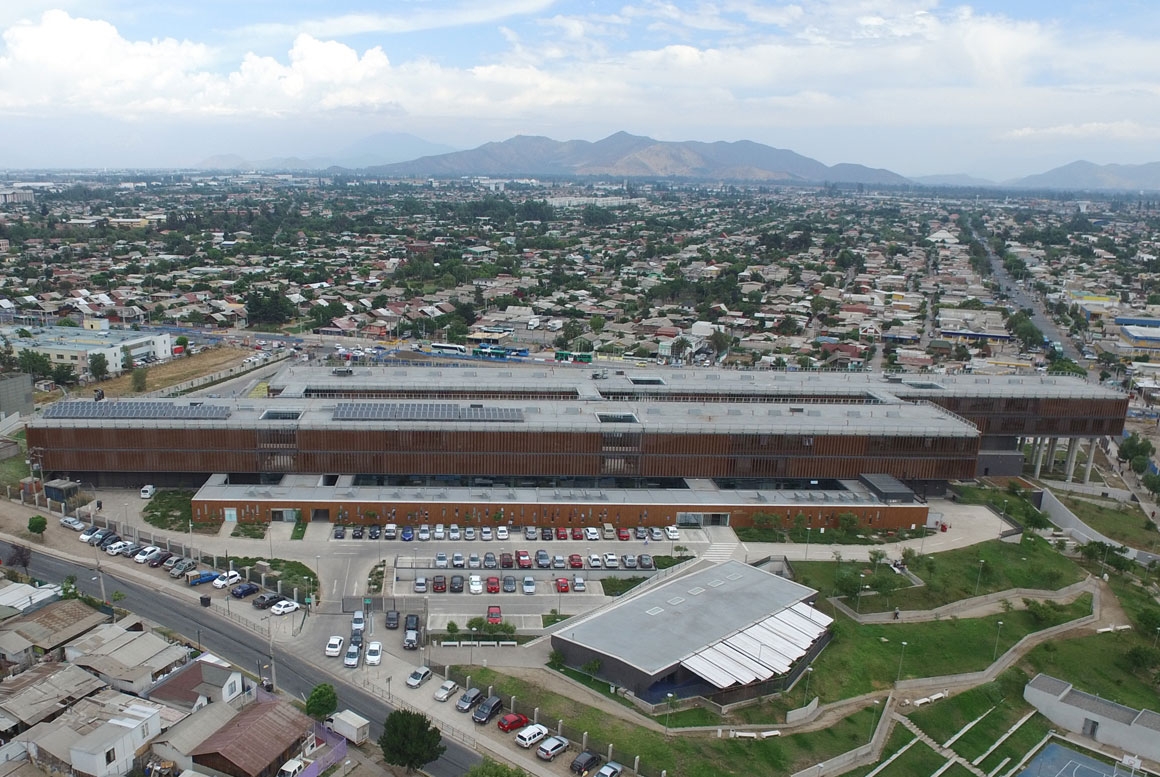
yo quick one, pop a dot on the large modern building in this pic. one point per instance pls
(542, 444)
(726, 631)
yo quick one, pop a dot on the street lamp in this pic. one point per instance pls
(809, 674)
(318, 574)
(979, 579)
(860, 587)
(471, 649)
(998, 631)
(873, 715)
(901, 656)
(809, 529)
(668, 712)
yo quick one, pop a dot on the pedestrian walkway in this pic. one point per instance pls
(935, 746)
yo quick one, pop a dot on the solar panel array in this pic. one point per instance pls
(136, 409)
(424, 411)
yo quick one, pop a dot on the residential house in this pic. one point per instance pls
(199, 683)
(130, 661)
(42, 693)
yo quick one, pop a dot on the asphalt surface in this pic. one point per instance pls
(234, 643)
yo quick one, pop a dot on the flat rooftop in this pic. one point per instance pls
(299, 380)
(685, 615)
(69, 338)
(300, 488)
(544, 415)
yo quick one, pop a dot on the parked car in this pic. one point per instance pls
(628, 561)
(351, 659)
(418, 676)
(183, 566)
(390, 532)
(392, 619)
(456, 586)
(145, 553)
(285, 607)
(488, 709)
(575, 561)
(543, 560)
(469, 699)
(473, 561)
(561, 533)
(531, 735)
(457, 560)
(268, 599)
(446, 690)
(408, 534)
(374, 653)
(485, 534)
(441, 560)
(546, 534)
(512, 721)
(655, 533)
(128, 549)
(641, 533)
(561, 585)
(205, 576)
(577, 533)
(374, 532)
(161, 558)
(420, 585)
(453, 532)
(226, 579)
(584, 762)
(529, 532)
(610, 561)
(594, 561)
(469, 533)
(244, 590)
(591, 533)
(489, 561)
(69, 522)
(172, 561)
(108, 540)
(501, 533)
(623, 534)
(334, 646)
(644, 561)
(475, 585)
(610, 769)
(509, 584)
(506, 561)
(551, 747)
(424, 533)
(492, 585)
(578, 584)
(439, 584)
(529, 585)
(340, 532)
(672, 533)
(410, 639)
(440, 533)
(116, 548)
(523, 560)
(357, 533)
(412, 622)
(358, 621)
(494, 614)
(88, 534)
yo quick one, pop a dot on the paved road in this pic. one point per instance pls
(239, 645)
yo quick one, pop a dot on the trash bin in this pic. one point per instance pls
(205, 601)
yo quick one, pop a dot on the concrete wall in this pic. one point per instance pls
(16, 395)
(1129, 737)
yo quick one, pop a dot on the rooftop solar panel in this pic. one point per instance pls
(424, 411)
(135, 409)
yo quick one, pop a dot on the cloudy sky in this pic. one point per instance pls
(996, 88)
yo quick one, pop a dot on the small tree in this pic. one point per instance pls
(409, 740)
(452, 628)
(20, 556)
(322, 702)
(182, 342)
(37, 524)
(98, 366)
(490, 768)
(877, 555)
(139, 375)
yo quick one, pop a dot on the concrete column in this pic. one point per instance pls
(1039, 458)
(1051, 453)
(1093, 446)
(1072, 452)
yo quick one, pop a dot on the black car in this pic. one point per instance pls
(108, 540)
(374, 532)
(244, 590)
(357, 533)
(509, 584)
(456, 586)
(267, 600)
(340, 532)
(546, 533)
(392, 619)
(412, 623)
(543, 560)
(356, 639)
(585, 762)
(161, 558)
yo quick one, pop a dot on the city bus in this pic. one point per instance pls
(450, 348)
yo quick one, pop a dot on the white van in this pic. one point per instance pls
(147, 492)
(609, 531)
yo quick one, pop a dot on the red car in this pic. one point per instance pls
(577, 533)
(439, 584)
(493, 585)
(561, 533)
(576, 561)
(523, 560)
(506, 561)
(624, 535)
(512, 721)
(562, 585)
(493, 613)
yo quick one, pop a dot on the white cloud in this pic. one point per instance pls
(1104, 130)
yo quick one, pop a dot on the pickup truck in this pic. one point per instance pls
(204, 576)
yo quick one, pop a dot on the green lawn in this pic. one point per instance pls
(943, 719)
(687, 756)
(615, 586)
(1120, 522)
(899, 736)
(861, 659)
(951, 576)
(172, 509)
(1018, 744)
(1109, 677)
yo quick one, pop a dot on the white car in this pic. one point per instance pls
(69, 522)
(147, 492)
(672, 533)
(284, 607)
(469, 533)
(529, 585)
(485, 534)
(226, 579)
(591, 533)
(144, 554)
(440, 534)
(530, 735)
(424, 534)
(88, 533)
(611, 561)
(441, 560)
(594, 561)
(116, 548)
(446, 690)
(501, 532)
(334, 646)
(453, 532)
(475, 584)
(374, 653)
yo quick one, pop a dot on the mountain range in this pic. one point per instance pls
(623, 155)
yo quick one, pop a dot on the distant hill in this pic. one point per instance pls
(625, 155)
(378, 149)
(953, 179)
(1088, 175)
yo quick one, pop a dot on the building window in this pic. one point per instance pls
(110, 755)
(232, 688)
